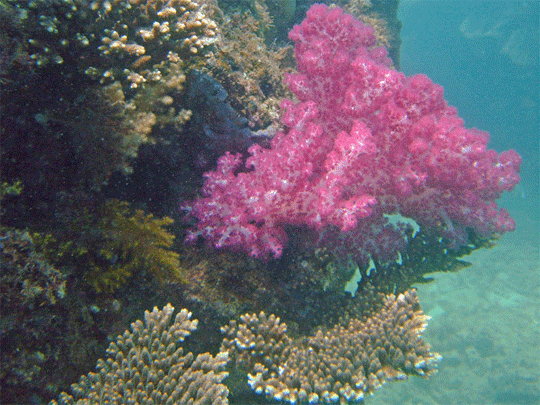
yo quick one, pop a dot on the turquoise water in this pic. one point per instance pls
(485, 319)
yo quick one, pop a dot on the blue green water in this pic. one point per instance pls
(486, 56)
(485, 319)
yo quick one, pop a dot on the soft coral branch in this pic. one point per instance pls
(362, 141)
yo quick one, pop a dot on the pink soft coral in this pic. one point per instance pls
(363, 141)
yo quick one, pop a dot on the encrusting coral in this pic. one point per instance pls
(148, 366)
(29, 288)
(343, 363)
(28, 280)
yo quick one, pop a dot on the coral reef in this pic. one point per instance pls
(140, 50)
(109, 101)
(148, 366)
(159, 34)
(135, 41)
(52, 327)
(343, 363)
(149, 46)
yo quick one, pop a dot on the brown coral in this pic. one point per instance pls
(148, 366)
(343, 363)
(109, 242)
(149, 45)
(139, 36)
(250, 70)
(382, 16)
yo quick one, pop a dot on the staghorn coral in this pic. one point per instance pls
(148, 366)
(343, 363)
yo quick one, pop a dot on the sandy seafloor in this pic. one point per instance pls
(486, 325)
(486, 318)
